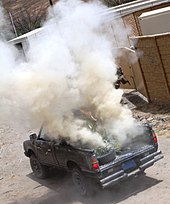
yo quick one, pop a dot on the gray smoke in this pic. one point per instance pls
(70, 66)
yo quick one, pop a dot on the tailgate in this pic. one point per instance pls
(128, 164)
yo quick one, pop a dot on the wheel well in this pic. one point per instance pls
(71, 165)
(30, 152)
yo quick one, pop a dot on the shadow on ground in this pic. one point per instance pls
(134, 99)
(61, 191)
(137, 101)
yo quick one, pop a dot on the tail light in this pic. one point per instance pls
(94, 163)
(154, 137)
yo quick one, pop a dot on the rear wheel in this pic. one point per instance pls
(79, 182)
(39, 170)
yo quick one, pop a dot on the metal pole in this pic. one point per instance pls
(13, 25)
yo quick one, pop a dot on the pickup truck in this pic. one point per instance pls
(86, 165)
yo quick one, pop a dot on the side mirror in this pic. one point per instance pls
(33, 136)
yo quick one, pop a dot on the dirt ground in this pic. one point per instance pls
(18, 185)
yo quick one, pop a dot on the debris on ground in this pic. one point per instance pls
(157, 115)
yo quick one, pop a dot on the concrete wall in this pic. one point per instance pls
(132, 19)
(155, 65)
(151, 74)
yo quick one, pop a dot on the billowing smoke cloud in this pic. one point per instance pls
(70, 67)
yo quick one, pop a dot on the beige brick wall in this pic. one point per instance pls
(136, 15)
(130, 21)
(155, 65)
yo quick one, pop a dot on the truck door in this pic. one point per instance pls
(45, 151)
(61, 153)
(65, 152)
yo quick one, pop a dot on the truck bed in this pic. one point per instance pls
(106, 166)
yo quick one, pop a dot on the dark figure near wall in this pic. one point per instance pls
(121, 78)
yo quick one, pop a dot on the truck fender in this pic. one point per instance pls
(29, 152)
(71, 165)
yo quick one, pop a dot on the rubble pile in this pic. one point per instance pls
(157, 116)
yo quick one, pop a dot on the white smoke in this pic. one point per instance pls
(70, 66)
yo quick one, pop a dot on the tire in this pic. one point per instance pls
(107, 157)
(38, 169)
(80, 182)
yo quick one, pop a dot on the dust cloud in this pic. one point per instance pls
(67, 80)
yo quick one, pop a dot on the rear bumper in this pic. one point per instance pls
(144, 163)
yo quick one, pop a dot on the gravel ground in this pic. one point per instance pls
(18, 184)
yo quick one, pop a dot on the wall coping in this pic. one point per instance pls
(128, 8)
